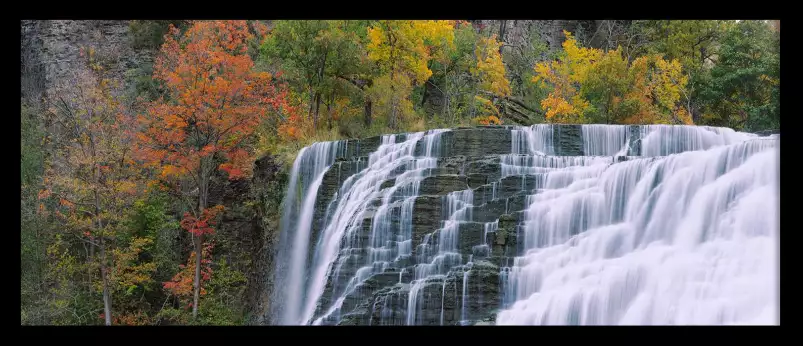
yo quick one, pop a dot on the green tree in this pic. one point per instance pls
(301, 54)
(32, 236)
(694, 43)
(606, 86)
(744, 88)
(519, 62)
(320, 59)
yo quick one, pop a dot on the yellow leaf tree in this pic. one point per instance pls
(403, 49)
(589, 85)
(492, 83)
(655, 90)
(563, 77)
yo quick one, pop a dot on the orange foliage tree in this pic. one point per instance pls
(215, 100)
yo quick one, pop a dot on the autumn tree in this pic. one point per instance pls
(590, 85)
(451, 75)
(91, 173)
(650, 90)
(655, 93)
(490, 74)
(563, 77)
(215, 102)
(402, 49)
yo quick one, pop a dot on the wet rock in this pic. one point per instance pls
(465, 294)
(568, 140)
(427, 213)
(442, 184)
(387, 183)
(475, 180)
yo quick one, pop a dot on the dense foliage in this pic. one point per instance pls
(119, 222)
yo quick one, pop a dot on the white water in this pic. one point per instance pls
(689, 238)
(437, 264)
(684, 231)
(305, 178)
(387, 244)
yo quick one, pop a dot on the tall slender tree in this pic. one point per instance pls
(91, 172)
(216, 100)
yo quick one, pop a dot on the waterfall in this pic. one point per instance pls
(388, 242)
(551, 224)
(686, 234)
(305, 178)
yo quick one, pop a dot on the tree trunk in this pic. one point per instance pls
(107, 296)
(89, 261)
(203, 192)
(107, 301)
(502, 27)
(367, 112)
(311, 101)
(317, 110)
(424, 96)
(445, 106)
(197, 283)
(318, 93)
(392, 114)
(329, 109)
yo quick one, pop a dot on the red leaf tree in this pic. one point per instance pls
(215, 100)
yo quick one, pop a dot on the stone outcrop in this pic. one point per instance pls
(250, 225)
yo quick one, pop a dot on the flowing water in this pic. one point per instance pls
(305, 178)
(650, 225)
(689, 238)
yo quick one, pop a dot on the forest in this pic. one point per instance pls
(120, 219)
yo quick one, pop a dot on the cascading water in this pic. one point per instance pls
(305, 178)
(438, 264)
(388, 242)
(688, 238)
(591, 224)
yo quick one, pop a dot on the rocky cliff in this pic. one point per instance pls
(50, 50)
(518, 32)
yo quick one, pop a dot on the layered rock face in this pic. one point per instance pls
(50, 51)
(433, 228)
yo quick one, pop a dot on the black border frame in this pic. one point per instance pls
(384, 335)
